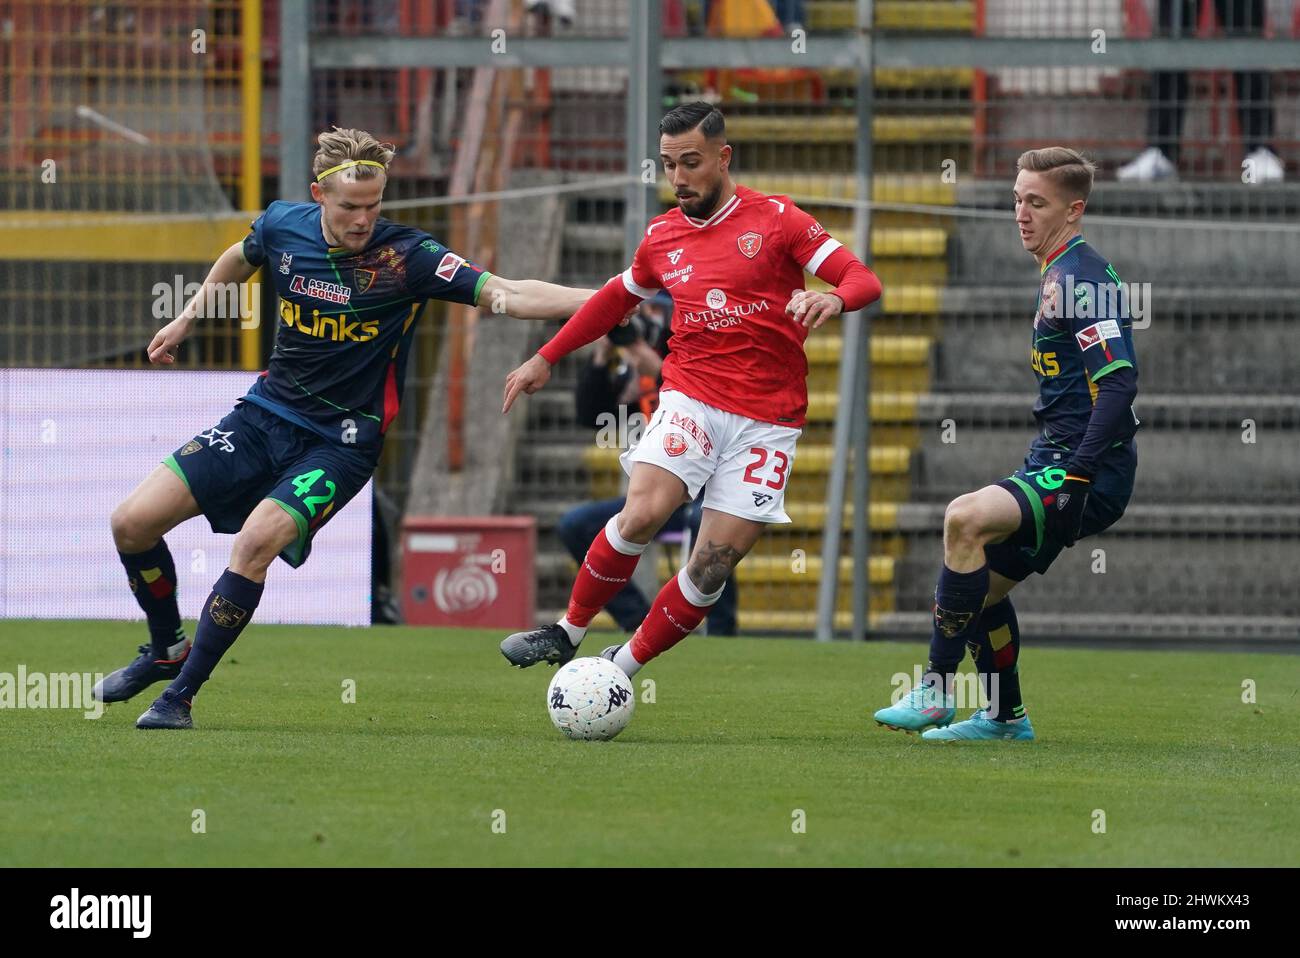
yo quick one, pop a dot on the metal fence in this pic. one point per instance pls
(486, 97)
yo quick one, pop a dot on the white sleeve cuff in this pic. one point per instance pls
(631, 285)
(819, 257)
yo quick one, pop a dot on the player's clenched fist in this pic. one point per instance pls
(163, 348)
(528, 378)
(813, 309)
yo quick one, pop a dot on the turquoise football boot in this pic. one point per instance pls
(920, 709)
(979, 727)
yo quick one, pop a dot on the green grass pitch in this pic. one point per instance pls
(742, 733)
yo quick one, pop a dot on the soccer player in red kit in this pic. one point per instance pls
(734, 389)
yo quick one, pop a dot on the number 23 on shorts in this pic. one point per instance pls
(303, 484)
(780, 464)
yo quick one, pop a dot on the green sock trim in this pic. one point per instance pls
(171, 463)
(298, 546)
(1036, 504)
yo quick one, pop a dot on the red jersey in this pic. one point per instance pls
(734, 346)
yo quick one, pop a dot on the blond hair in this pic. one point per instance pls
(356, 149)
(1069, 169)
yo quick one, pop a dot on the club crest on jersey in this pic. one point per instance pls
(319, 289)
(364, 278)
(447, 268)
(675, 255)
(750, 243)
(674, 443)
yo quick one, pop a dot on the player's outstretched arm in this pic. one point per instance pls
(531, 298)
(230, 267)
(598, 315)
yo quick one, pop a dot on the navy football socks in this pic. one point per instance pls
(224, 616)
(958, 599)
(152, 576)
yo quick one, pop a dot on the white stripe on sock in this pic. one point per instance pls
(619, 543)
(576, 632)
(626, 661)
(693, 595)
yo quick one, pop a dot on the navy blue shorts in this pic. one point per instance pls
(1031, 548)
(252, 455)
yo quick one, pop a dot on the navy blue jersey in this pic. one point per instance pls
(347, 320)
(1082, 331)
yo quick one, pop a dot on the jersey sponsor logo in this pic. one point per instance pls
(684, 273)
(717, 318)
(674, 443)
(761, 498)
(716, 299)
(319, 289)
(1097, 333)
(694, 430)
(431, 246)
(816, 230)
(1045, 364)
(219, 439)
(447, 268)
(335, 328)
(750, 243)
(285, 260)
(364, 279)
(675, 255)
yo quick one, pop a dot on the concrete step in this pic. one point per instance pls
(1196, 341)
(1206, 465)
(911, 520)
(807, 188)
(767, 130)
(604, 238)
(1149, 573)
(1014, 410)
(927, 15)
(1168, 236)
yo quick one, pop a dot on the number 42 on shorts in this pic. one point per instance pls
(302, 485)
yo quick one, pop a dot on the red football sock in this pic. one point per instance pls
(672, 617)
(605, 571)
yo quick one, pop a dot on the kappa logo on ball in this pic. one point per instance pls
(715, 299)
(447, 268)
(750, 244)
(674, 443)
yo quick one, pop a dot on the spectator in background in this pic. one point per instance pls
(790, 13)
(624, 370)
(1159, 161)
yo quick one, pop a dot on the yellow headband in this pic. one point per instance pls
(350, 163)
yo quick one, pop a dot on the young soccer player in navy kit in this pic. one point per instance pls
(307, 435)
(1075, 481)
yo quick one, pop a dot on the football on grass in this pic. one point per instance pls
(591, 699)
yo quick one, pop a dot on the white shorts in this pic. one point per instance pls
(746, 463)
